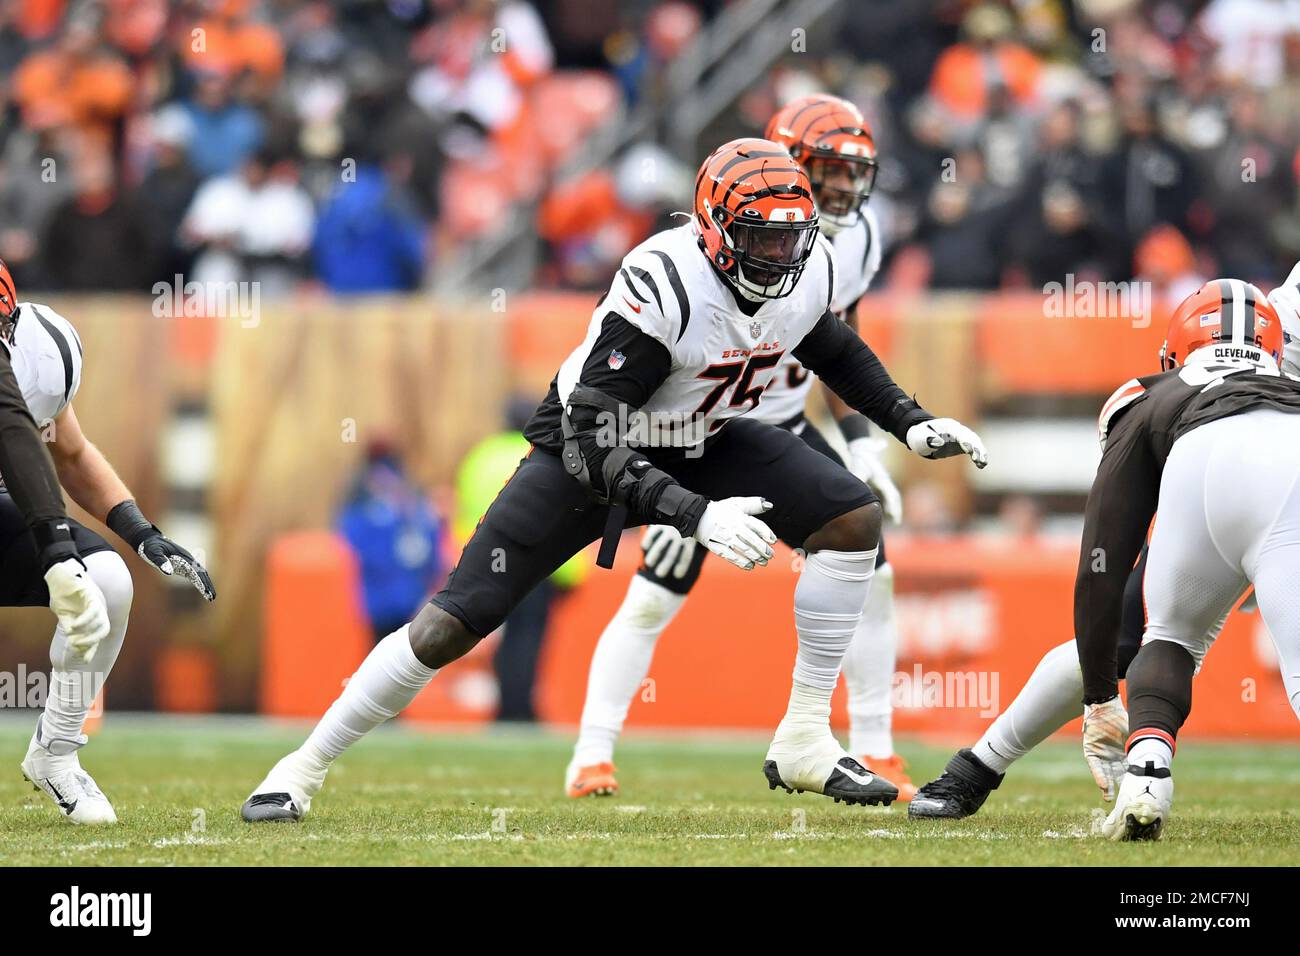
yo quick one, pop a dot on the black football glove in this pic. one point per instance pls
(162, 552)
(170, 558)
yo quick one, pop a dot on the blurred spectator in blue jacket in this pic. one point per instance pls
(397, 537)
(225, 132)
(369, 237)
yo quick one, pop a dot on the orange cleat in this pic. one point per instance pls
(597, 780)
(894, 769)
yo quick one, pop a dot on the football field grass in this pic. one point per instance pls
(411, 797)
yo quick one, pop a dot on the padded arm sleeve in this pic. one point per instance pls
(29, 472)
(596, 413)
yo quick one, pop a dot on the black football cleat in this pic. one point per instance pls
(270, 808)
(959, 792)
(849, 782)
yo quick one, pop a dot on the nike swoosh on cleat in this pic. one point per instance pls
(864, 777)
(67, 807)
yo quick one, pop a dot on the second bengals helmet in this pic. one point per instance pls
(831, 140)
(1224, 312)
(755, 217)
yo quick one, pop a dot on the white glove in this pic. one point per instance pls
(79, 605)
(667, 553)
(865, 463)
(943, 438)
(729, 530)
(1105, 731)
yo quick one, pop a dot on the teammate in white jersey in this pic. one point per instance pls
(47, 360)
(831, 140)
(646, 423)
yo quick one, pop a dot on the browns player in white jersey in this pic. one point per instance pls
(47, 356)
(830, 139)
(647, 422)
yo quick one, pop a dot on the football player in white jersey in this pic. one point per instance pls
(647, 423)
(47, 360)
(1055, 692)
(831, 140)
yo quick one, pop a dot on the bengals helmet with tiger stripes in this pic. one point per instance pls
(8, 303)
(755, 217)
(831, 140)
(1224, 312)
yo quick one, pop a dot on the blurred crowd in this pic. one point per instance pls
(354, 144)
(1109, 139)
(281, 141)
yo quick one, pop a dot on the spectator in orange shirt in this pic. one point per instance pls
(79, 82)
(989, 57)
(230, 42)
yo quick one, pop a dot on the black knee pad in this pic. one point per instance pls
(1160, 687)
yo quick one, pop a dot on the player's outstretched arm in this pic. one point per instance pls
(1120, 507)
(848, 366)
(92, 483)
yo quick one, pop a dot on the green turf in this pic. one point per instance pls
(407, 797)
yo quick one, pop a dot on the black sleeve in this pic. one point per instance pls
(846, 363)
(643, 366)
(1120, 507)
(626, 366)
(29, 472)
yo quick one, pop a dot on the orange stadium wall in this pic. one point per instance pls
(974, 619)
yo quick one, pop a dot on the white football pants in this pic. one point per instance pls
(1229, 516)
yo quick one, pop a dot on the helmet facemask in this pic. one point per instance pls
(841, 187)
(767, 257)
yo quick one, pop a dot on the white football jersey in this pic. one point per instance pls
(46, 358)
(857, 260)
(722, 360)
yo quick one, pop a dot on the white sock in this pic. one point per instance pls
(385, 683)
(74, 684)
(1153, 750)
(619, 665)
(869, 671)
(828, 602)
(808, 707)
(1051, 698)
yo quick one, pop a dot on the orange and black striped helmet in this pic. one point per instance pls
(755, 217)
(1224, 312)
(8, 303)
(832, 141)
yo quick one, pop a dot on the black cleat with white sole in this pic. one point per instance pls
(270, 808)
(849, 782)
(959, 792)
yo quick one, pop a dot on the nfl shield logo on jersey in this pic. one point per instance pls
(755, 330)
(616, 359)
